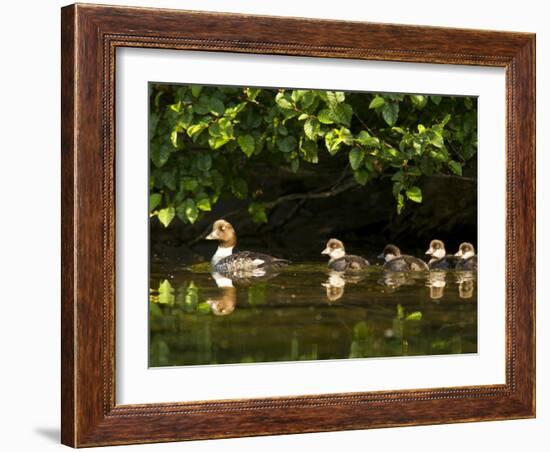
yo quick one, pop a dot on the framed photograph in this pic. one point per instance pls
(282, 225)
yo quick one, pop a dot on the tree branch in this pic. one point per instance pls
(333, 191)
(453, 176)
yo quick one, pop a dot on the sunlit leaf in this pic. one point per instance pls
(154, 200)
(166, 216)
(414, 193)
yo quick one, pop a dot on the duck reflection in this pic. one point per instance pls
(394, 280)
(437, 281)
(335, 286)
(336, 282)
(466, 284)
(226, 301)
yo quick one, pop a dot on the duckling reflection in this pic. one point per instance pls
(436, 282)
(337, 281)
(466, 284)
(394, 280)
(335, 286)
(227, 301)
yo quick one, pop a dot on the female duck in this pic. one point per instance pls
(440, 260)
(397, 262)
(225, 261)
(340, 261)
(467, 257)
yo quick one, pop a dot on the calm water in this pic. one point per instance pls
(308, 313)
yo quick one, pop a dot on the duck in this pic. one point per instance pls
(397, 262)
(467, 257)
(225, 261)
(440, 260)
(340, 261)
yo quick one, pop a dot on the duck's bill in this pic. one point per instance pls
(430, 252)
(325, 251)
(380, 256)
(458, 254)
(211, 236)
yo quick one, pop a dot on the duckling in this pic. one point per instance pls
(340, 261)
(225, 261)
(468, 258)
(440, 259)
(397, 262)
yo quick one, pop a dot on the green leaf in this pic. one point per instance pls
(282, 102)
(154, 200)
(295, 165)
(174, 138)
(356, 157)
(390, 113)
(258, 212)
(160, 155)
(367, 140)
(417, 315)
(287, 144)
(189, 183)
(436, 99)
(414, 193)
(196, 90)
(419, 101)
(203, 203)
(437, 139)
(187, 211)
(335, 97)
(246, 142)
(332, 141)
(216, 106)
(218, 142)
(400, 203)
(455, 167)
(202, 105)
(342, 114)
(310, 151)
(204, 161)
(361, 176)
(325, 116)
(166, 215)
(377, 102)
(239, 187)
(194, 130)
(312, 128)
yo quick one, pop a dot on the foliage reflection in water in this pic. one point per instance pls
(308, 313)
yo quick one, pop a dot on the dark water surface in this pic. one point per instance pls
(308, 313)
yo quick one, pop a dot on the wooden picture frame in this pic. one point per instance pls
(90, 36)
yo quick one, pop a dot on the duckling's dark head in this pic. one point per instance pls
(335, 249)
(436, 249)
(223, 232)
(390, 252)
(466, 250)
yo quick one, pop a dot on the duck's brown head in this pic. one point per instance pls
(436, 249)
(223, 232)
(390, 252)
(465, 250)
(335, 249)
